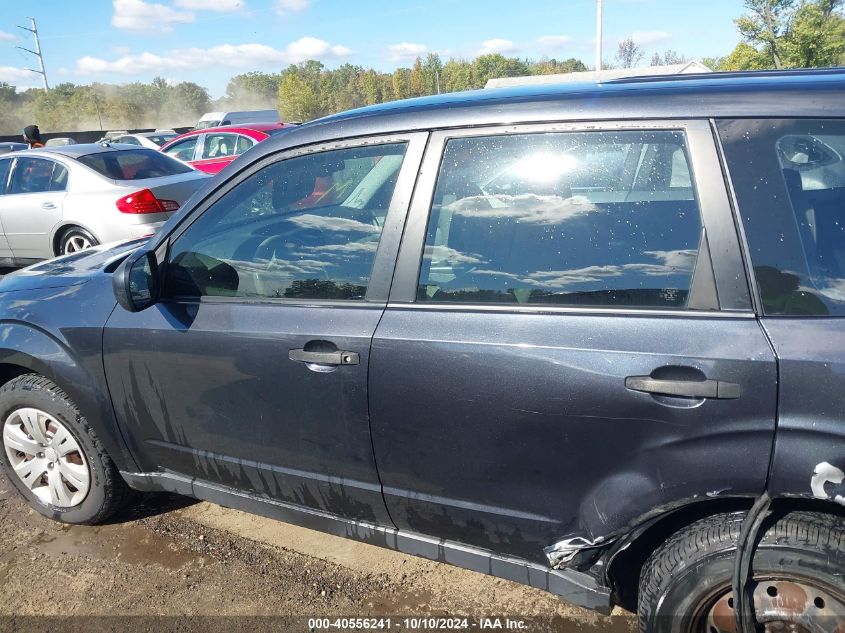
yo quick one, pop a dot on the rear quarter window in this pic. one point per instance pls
(134, 164)
(789, 180)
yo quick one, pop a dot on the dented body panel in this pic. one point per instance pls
(809, 453)
(513, 432)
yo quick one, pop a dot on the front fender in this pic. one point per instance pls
(58, 333)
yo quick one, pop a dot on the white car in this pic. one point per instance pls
(153, 140)
(59, 200)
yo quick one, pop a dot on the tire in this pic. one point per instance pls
(89, 502)
(685, 585)
(76, 239)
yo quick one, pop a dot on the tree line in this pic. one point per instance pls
(774, 34)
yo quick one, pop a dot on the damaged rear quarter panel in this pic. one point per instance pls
(809, 454)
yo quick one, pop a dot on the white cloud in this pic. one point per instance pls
(554, 42)
(497, 46)
(291, 6)
(649, 38)
(6, 37)
(235, 56)
(15, 75)
(405, 51)
(313, 48)
(223, 6)
(137, 15)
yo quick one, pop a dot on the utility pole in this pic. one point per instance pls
(37, 53)
(598, 34)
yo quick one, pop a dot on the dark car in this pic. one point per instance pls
(588, 338)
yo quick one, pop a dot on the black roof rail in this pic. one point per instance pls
(732, 74)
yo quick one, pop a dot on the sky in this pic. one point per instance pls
(209, 41)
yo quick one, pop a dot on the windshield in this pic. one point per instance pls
(134, 164)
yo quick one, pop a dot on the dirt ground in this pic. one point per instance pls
(170, 563)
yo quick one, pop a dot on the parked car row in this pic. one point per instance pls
(590, 340)
(59, 200)
(66, 197)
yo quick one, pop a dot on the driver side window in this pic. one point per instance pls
(303, 228)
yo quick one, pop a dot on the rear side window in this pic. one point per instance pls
(244, 143)
(34, 175)
(133, 164)
(789, 181)
(219, 145)
(576, 219)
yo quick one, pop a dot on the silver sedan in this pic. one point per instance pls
(58, 200)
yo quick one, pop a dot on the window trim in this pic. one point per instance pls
(381, 275)
(726, 272)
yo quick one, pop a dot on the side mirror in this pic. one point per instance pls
(135, 282)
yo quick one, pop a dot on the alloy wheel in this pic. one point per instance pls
(46, 457)
(77, 243)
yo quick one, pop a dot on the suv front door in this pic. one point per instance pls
(252, 370)
(569, 343)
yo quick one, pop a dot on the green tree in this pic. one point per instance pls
(456, 76)
(816, 36)
(253, 89)
(791, 34)
(431, 70)
(401, 83)
(185, 102)
(297, 99)
(486, 67)
(416, 79)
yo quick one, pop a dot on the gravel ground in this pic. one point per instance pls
(191, 564)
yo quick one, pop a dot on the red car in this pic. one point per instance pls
(211, 149)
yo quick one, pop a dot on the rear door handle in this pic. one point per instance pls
(324, 358)
(715, 389)
(48, 205)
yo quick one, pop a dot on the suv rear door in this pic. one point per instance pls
(789, 179)
(557, 284)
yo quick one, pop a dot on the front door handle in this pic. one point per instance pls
(716, 389)
(48, 205)
(324, 358)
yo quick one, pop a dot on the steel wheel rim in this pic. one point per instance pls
(46, 458)
(781, 604)
(77, 243)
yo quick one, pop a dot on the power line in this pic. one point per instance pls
(36, 52)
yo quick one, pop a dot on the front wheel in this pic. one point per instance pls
(53, 457)
(798, 577)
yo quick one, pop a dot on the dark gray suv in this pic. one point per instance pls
(588, 338)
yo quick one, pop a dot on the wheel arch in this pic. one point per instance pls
(28, 349)
(624, 560)
(63, 228)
